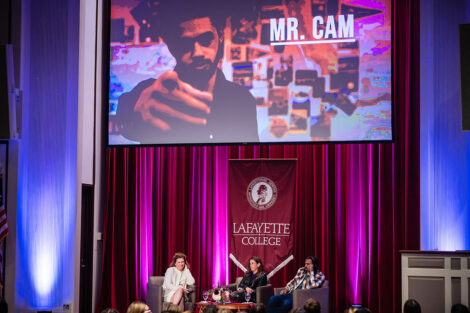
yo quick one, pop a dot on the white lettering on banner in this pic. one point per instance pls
(261, 241)
(286, 229)
(266, 234)
(261, 228)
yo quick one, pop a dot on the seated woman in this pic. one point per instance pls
(177, 279)
(255, 277)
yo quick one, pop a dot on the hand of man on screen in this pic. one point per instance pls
(169, 98)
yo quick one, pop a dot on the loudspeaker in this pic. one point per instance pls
(465, 74)
(9, 125)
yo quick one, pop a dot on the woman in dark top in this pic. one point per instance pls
(253, 278)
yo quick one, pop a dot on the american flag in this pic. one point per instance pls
(1, 264)
(3, 225)
(3, 214)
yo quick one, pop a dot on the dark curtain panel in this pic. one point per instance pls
(356, 205)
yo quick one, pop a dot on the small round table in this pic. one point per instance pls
(230, 306)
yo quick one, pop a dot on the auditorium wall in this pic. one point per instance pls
(445, 149)
(55, 158)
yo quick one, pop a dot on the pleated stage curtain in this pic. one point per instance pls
(356, 205)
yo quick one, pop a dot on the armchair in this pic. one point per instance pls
(263, 293)
(320, 294)
(155, 299)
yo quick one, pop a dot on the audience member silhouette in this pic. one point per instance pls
(411, 306)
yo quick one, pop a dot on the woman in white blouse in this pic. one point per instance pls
(177, 279)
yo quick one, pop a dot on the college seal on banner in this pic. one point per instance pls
(261, 193)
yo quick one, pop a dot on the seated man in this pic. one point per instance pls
(307, 277)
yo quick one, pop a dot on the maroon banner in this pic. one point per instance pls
(261, 202)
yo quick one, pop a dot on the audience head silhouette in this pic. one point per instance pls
(138, 307)
(312, 306)
(459, 308)
(411, 306)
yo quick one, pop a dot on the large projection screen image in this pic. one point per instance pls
(249, 71)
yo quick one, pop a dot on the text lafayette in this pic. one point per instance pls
(261, 228)
(261, 234)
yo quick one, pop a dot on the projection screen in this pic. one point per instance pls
(249, 71)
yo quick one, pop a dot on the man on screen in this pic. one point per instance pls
(194, 103)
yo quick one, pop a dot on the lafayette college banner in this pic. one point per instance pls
(261, 205)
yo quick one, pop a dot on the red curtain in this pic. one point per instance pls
(357, 205)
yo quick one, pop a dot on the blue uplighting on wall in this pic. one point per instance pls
(47, 155)
(445, 148)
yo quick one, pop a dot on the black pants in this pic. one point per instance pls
(239, 297)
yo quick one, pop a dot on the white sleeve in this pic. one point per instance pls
(190, 279)
(318, 280)
(168, 283)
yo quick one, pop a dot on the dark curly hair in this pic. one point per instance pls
(171, 13)
(316, 266)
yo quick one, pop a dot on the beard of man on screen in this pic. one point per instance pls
(194, 103)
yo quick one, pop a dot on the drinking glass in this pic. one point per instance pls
(205, 295)
(226, 296)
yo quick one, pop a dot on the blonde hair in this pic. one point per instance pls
(179, 255)
(137, 307)
(173, 308)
